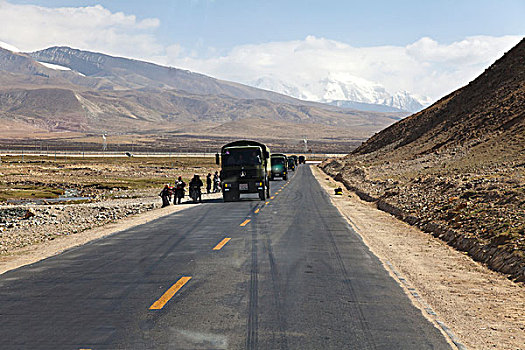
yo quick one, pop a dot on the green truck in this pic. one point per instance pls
(245, 168)
(279, 166)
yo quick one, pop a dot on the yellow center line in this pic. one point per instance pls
(272, 197)
(267, 203)
(257, 210)
(221, 244)
(245, 222)
(159, 304)
(277, 192)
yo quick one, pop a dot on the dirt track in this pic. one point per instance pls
(483, 308)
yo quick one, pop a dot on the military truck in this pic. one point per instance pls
(295, 159)
(279, 166)
(245, 168)
(291, 164)
(302, 159)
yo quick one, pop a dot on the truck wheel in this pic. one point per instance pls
(285, 177)
(262, 194)
(230, 196)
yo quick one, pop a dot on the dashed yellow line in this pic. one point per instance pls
(159, 304)
(222, 243)
(267, 203)
(245, 222)
(257, 210)
(272, 197)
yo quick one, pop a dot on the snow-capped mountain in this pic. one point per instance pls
(8, 47)
(338, 88)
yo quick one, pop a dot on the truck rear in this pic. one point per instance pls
(244, 169)
(279, 166)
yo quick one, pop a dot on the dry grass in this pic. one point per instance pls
(45, 177)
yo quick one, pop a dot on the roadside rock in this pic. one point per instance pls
(480, 213)
(24, 225)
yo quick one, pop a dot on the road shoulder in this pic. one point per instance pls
(483, 308)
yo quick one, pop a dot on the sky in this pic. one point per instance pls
(425, 47)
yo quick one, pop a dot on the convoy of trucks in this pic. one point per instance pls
(247, 167)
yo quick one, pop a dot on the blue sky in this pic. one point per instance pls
(428, 48)
(223, 24)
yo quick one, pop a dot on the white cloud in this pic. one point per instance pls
(424, 67)
(31, 27)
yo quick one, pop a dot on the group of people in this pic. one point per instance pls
(178, 189)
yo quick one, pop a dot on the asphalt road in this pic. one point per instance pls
(295, 276)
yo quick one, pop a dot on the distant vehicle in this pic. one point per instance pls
(295, 159)
(302, 159)
(244, 169)
(279, 166)
(291, 164)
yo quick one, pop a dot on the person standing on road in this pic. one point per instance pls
(208, 183)
(165, 195)
(179, 191)
(216, 182)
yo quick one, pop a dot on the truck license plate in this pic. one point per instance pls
(243, 187)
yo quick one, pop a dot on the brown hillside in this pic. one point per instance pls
(490, 106)
(456, 169)
(116, 95)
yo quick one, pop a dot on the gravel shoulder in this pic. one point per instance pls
(56, 228)
(483, 308)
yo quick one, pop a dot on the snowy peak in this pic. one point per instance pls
(9, 47)
(53, 66)
(351, 88)
(343, 87)
(403, 100)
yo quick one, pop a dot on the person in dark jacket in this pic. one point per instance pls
(208, 183)
(165, 195)
(195, 185)
(179, 191)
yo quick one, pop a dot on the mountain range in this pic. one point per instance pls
(345, 91)
(61, 89)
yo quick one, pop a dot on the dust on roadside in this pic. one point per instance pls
(483, 308)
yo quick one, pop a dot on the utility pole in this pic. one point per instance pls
(104, 143)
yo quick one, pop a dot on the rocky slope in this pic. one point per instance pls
(25, 225)
(457, 168)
